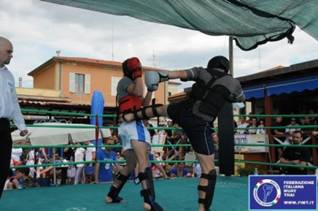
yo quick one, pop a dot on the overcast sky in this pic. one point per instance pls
(38, 29)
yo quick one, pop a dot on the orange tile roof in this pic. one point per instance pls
(87, 60)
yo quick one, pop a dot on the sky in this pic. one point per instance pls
(38, 29)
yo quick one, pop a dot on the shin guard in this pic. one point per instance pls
(148, 192)
(114, 191)
(209, 189)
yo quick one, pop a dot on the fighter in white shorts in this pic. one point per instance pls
(135, 130)
(134, 136)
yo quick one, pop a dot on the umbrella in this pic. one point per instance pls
(55, 133)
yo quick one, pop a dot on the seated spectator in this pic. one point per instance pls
(157, 169)
(190, 165)
(295, 155)
(197, 170)
(23, 178)
(11, 182)
(279, 134)
(252, 126)
(293, 126)
(306, 121)
(171, 152)
(215, 141)
(279, 131)
(260, 128)
(16, 156)
(44, 175)
(242, 126)
(179, 170)
(315, 133)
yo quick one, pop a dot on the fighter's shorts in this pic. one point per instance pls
(134, 130)
(198, 130)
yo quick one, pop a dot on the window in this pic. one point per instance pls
(80, 83)
(115, 81)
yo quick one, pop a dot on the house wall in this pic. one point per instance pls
(45, 78)
(102, 78)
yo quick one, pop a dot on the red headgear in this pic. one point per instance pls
(131, 65)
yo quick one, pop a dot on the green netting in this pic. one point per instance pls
(251, 22)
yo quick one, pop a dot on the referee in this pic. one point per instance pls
(9, 110)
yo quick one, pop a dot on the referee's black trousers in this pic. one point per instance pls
(5, 151)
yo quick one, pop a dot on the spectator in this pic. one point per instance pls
(295, 155)
(22, 176)
(260, 128)
(157, 169)
(252, 126)
(150, 128)
(306, 121)
(16, 156)
(292, 127)
(242, 126)
(179, 170)
(279, 134)
(66, 172)
(104, 169)
(11, 182)
(79, 157)
(90, 155)
(190, 156)
(215, 140)
(30, 160)
(115, 141)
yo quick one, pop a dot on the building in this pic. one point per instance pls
(76, 79)
(285, 90)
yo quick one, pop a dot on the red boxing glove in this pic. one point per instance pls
(134, 66)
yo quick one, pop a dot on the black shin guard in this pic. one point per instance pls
(114, 191)
(209, 189)
(148, 192)
(147, 176)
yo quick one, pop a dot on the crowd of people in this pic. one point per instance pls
(286, 131)
(93, 166)
(100, 166)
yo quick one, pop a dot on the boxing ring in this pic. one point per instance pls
(173, 194)
(231, 193)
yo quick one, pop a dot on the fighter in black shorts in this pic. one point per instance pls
(213, 87)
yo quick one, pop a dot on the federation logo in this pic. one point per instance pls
(267, 193)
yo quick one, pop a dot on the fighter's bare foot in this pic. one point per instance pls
(147, 207)
(156, 207)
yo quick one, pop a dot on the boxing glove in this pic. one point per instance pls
(153, 78)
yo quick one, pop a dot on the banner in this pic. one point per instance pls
(251, 139)
(282, 192)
